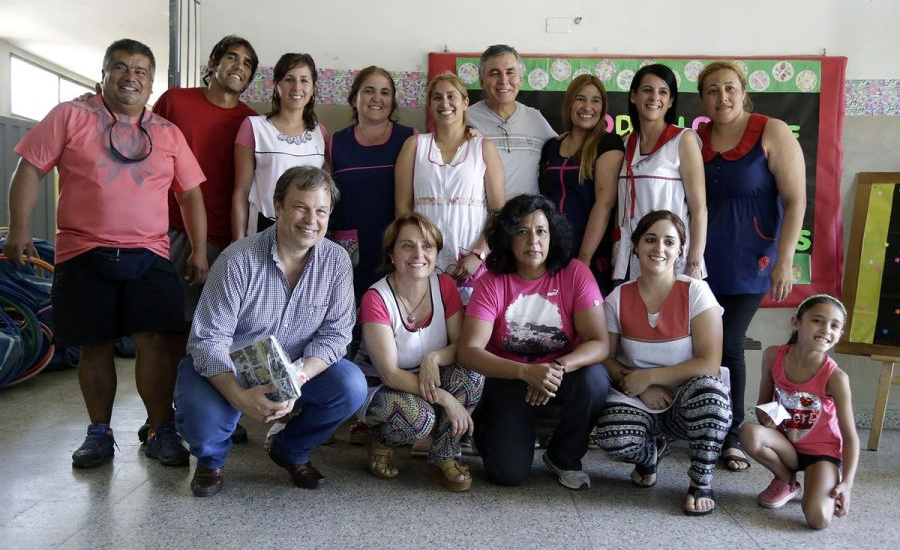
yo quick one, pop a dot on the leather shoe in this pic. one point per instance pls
(305, 476)
(207, 481)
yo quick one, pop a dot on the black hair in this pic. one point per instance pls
(503, 225)
(666, 74)
(809, 302)
(222, 47)
(131, 47)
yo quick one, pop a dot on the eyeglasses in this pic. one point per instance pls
(144, 150)
(505, 127)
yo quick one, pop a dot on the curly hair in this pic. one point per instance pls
(503, 225)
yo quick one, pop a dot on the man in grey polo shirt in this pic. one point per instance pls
(519, 132)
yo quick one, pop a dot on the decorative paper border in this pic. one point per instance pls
(869, 97)
(872, 97)
(334, 87)
(554, 74)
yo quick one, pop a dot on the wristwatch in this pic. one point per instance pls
(482, 255)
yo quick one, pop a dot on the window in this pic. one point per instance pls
(35, 90)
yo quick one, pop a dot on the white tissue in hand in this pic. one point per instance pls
(775, 411)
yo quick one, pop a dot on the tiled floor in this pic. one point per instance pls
(134, 502)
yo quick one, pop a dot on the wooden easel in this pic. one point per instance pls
(888, 354)
(885, 381)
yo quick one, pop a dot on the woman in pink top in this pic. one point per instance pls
(410, 322)
(819, 435)
(535, 328)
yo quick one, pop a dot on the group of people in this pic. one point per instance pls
(496, 267)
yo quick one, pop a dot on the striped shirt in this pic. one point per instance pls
(247, 297)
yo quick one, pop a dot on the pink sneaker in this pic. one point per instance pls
(778, 493)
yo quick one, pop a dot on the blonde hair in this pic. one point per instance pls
(731, 66)
(589, 147)
(447, 76)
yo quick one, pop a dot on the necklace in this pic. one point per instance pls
(411, 313)
(377, 140)
(306, 136)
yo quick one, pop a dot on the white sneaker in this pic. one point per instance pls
(577, 480)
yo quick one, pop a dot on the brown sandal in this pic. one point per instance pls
(452, 475)
(381, 461)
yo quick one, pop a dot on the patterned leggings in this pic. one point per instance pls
(400, 418)
(700, 414)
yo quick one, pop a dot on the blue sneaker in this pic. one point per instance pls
(164, 444)
(97, 447)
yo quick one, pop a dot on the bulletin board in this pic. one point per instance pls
(872, 280)
(807, 92)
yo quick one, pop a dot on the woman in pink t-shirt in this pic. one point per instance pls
(535, 328)
(410, 322)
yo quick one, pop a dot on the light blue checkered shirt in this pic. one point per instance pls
(247, 297)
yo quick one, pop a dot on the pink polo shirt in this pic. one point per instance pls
(102, 200)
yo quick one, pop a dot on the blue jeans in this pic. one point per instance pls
(505, 423)
(206, 420)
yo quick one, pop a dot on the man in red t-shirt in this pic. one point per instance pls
(209, 117)
(117, 162)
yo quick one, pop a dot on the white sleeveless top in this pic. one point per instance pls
(274, 154)
(451, 195)
(412, 344)
(657, 186)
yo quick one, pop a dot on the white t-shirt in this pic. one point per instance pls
(655, 340)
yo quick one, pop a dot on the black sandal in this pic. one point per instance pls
(641, 476)
(739, 458)
(697, 493)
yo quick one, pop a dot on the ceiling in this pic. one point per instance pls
(74, 34)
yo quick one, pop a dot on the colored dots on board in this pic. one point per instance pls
(897, 311)
(884, 331)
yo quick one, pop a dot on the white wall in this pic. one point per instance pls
(398, 35)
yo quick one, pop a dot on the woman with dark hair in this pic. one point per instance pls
(454, 178)
(580, 170)
(362, 158)
(662, 171)
(756, 184)
(665, 346)
(536, 329)
(289, 135)
(410, 322)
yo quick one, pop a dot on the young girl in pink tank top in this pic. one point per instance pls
(819, 436)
